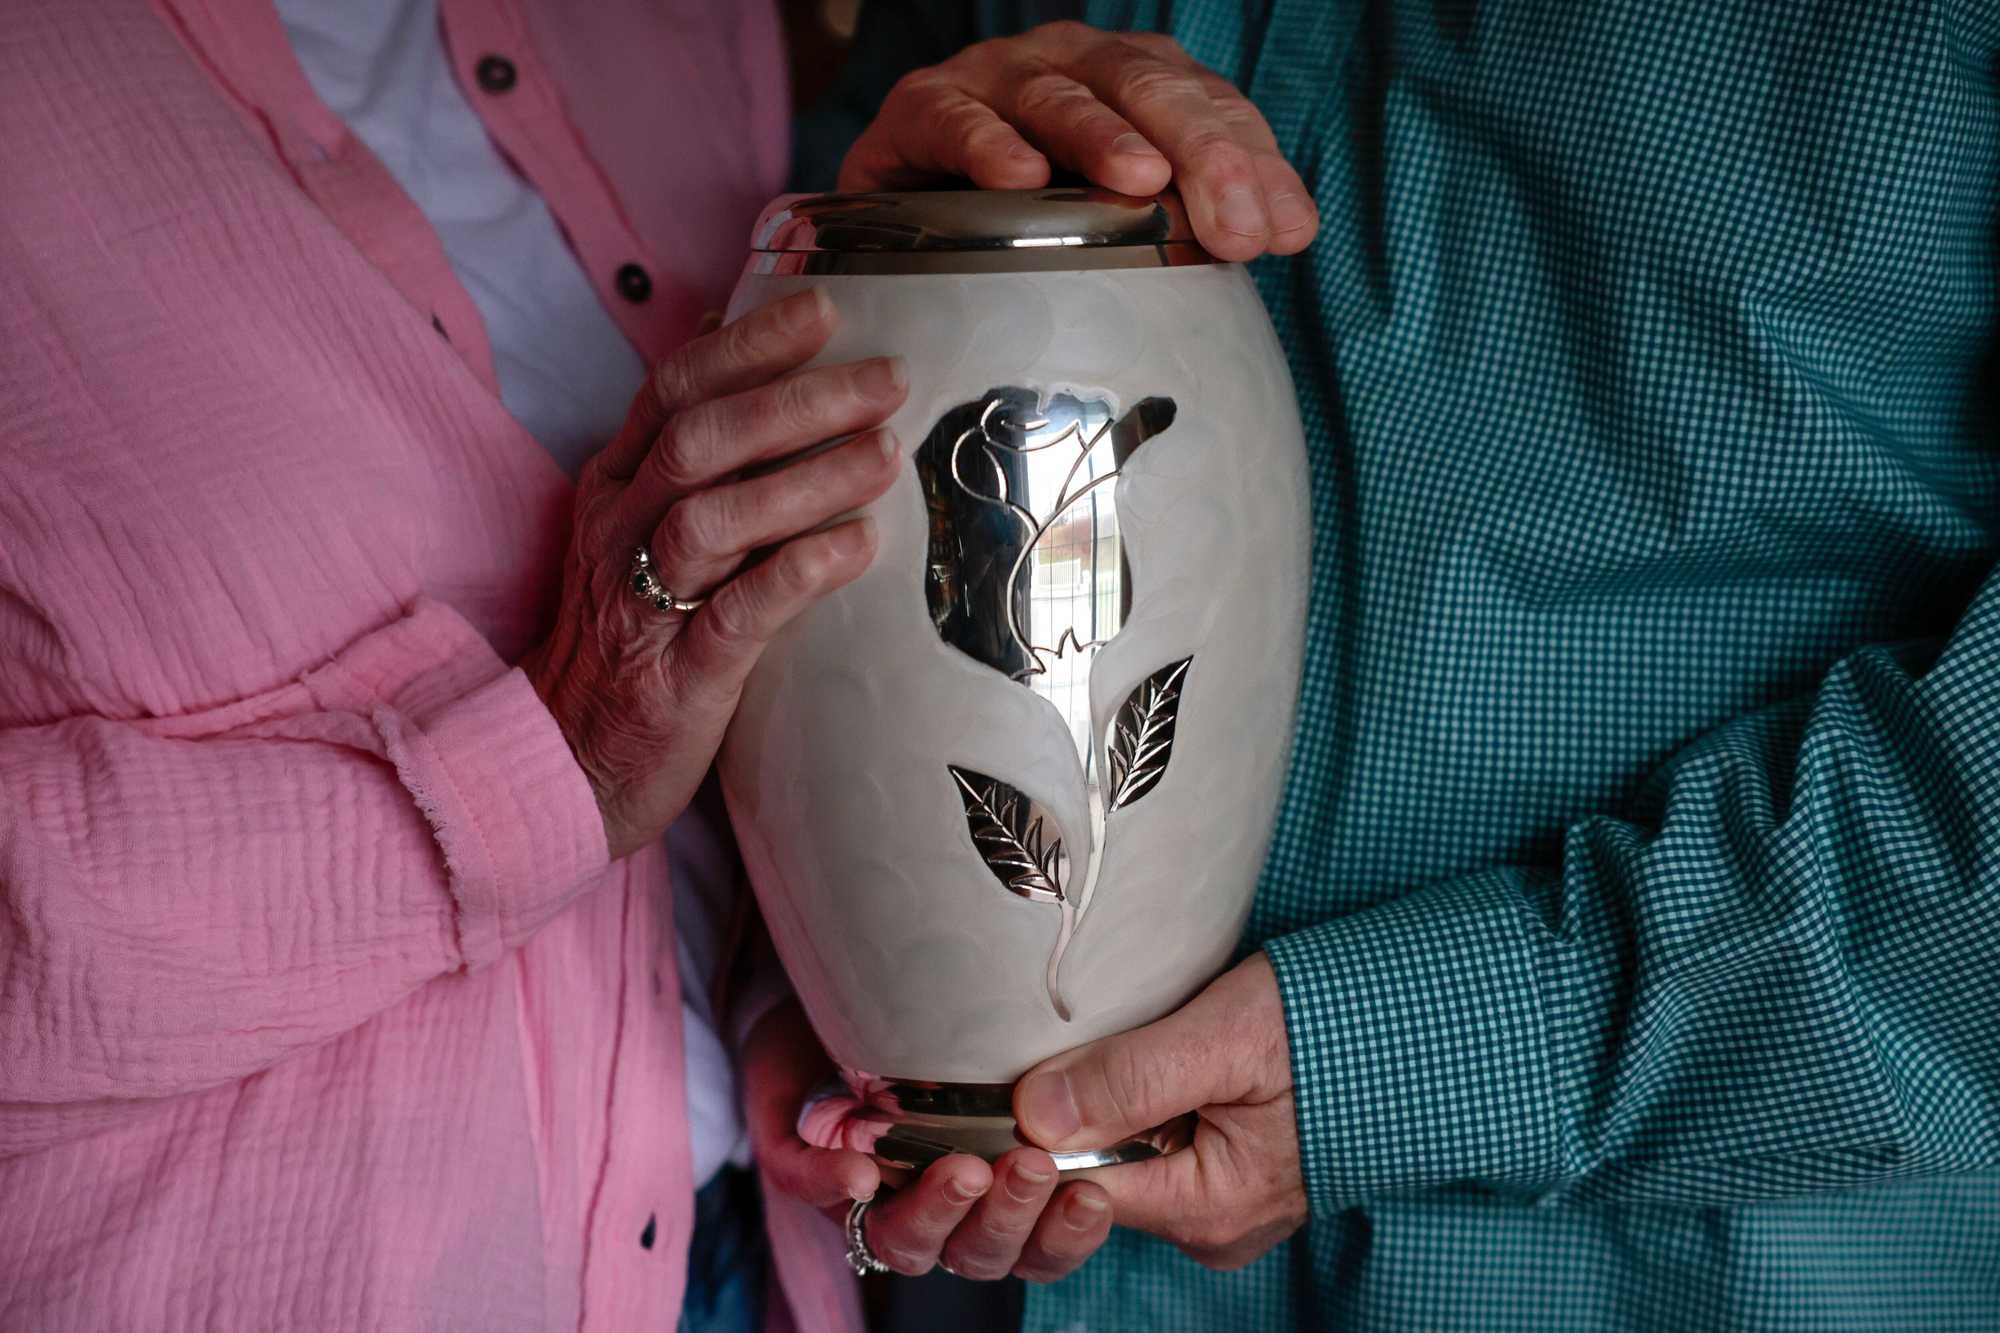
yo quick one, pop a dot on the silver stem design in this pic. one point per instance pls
(1073, 914)
(1063, 935)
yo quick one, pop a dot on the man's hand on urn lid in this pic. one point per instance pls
(1131, 112)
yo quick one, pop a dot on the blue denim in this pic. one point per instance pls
(728, 1258)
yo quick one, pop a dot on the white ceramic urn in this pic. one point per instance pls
(1012, 789)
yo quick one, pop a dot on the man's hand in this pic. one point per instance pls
(1238, 1191)
(1130, 111)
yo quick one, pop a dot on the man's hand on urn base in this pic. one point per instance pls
(1238, 1191)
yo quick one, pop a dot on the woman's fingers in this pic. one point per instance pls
(988, 1243)
(704, 443)
(721, 642)
(706, 534)
(1074, 1224)
(782, 1064)
(907, 1230)
(765, 343)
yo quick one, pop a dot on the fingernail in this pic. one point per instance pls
(1134, 145)
(957, 1191)
(859, 1196)
(886, 441)
(1239, 211)
(1084, 1209)
(1021, 150)
(809, 308)
(883, 376)
(1048, 1108)
(853, 538)
(1289, 213)
(1030, 1181)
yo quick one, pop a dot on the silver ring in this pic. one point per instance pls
(859, 1257)
(645, 583)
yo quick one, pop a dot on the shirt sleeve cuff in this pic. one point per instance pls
(472, 742)
(517, 820)
(1420, 1046)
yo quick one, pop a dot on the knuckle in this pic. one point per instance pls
(1148, 81)
(594, 478)
(1234, 111)
(1046, 89)
(1129, 1083)
(795, 403)
(902, 1261)
(674, 379)
(677, 457)
(746, 342)
(979, 1263)
(1062, 32)
(690, 531)
(1156, 43)
(732, 613)
(1212, 152)
(969, 125)
(919, 85)
(795, 569)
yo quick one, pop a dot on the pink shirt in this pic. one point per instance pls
(319, 1005)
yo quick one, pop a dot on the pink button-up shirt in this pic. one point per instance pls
(319, 1004)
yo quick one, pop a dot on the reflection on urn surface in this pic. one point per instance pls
(1011, 790)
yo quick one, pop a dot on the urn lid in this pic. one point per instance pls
(973, 231)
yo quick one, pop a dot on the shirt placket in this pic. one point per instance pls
(516, 97)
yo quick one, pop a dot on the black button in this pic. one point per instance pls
(496, 74)
(652, 1230)
(634, 283)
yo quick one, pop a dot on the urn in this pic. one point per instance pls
(1011, 790)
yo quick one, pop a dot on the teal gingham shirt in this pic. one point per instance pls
(1636, 896)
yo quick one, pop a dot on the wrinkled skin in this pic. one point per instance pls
(641, 695)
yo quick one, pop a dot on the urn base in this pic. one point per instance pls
(907, 1124)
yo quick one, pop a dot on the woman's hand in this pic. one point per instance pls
(643, 695)
(1130, 111)
(981, 1222)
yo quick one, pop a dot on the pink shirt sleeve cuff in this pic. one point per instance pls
(471, 741)
(517, 820)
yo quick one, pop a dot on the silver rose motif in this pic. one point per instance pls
(1026, 573)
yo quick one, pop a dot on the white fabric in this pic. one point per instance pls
(566, 373)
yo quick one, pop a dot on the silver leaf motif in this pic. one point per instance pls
(1022, 845)
(1141, 740)
(1013, 835)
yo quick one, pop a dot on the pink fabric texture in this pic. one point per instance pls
(320, 1006)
